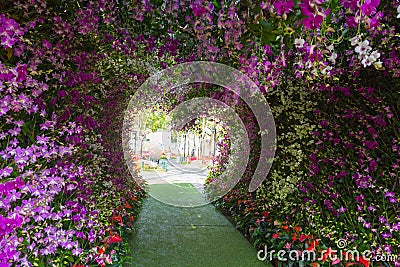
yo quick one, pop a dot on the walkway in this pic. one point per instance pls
(169, 236)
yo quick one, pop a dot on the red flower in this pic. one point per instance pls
(101, 250)
(313, 244)
(275, 236)
(131, 218)
(359, 260)
(294, 238)
(116, 218)
(114, 239)
(364, 261)
(286, 228)
(265, 214)
(303, 237)
(297, 228)
(326, 254)
(128, 206)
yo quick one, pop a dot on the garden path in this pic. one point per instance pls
(194, 235)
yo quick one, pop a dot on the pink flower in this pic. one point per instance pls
(287, 245)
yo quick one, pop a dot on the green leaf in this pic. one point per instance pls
(268, 37)
(216, 5)
(266, 25)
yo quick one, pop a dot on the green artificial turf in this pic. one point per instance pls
(178, 194)
(187, 236)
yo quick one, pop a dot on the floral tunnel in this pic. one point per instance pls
(329, 70)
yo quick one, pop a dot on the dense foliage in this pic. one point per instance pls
(66, 196)
(328, 68)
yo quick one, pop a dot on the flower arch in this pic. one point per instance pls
(329, 69)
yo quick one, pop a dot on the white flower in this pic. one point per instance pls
(366, 62)
(355, 40)
(326, 70)
(371, 59)
(330, 48)
(299, 43)
(398, 12)
(333, 57)
(314, 71)
(362, 56)
(375, 55)
(363, 48)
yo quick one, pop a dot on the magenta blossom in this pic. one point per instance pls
(314, 17)
(352, 21)
(283, 6)
(369, 7)
(352, 4)
(375, 21)
(198, 11)
(307, 8)
(313, 21)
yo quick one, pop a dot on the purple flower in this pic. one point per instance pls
(341, 209)
(369, 7)
(389, 194)
(386, 235)
(352, 21)
(6, 172)
(371, 208)
(352, 4)
(46, 44)
(374, 22)
(382, 219)
(366, 225)
(77, 251)
(283, 6)
(306, 8)
(198, 10)
(372, 165)
(387, 248)
(22, 72)
(314, 21)
(7, 41)
(371, 144)
(9, 31)
(42, 140)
